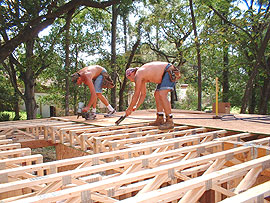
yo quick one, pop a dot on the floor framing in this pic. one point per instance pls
(133, 163)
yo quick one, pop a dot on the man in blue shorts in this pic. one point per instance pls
(92, 76)
(155, 72)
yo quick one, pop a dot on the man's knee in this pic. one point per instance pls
(99, 95)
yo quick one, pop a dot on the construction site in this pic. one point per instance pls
(201, 160)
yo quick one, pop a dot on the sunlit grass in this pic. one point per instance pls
(23, 115)
(235, 110)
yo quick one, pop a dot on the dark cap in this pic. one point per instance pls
(74, 77)
(130, 71)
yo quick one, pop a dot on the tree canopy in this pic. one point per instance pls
(207, 39)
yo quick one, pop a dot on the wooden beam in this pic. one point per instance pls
(140, 175)
(254, 194)
(178, 190)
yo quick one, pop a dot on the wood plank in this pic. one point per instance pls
(153, 196)
(37, 158)
(10, 146)
(178, 190)
(15, 152)
(176, 143)
(108, 166)
(6, 141)
(254, 194)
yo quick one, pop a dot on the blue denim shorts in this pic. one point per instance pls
(166, 83)
(98, 82)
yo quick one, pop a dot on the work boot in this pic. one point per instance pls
(110, 113)
(159, 120)
(168, 124)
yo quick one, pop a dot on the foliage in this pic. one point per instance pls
(4, 117)
(7, 95)
(165, 34)
(190, 102)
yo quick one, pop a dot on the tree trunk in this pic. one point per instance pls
(13, 78)
(29, 82)
(252, 103)
(125, 32)
(260, 55)
(198, 56)
(75, 94)
(172, 98)
(67, 61)
(16, 107)
(225, 75)
(113, 52)
(265, 97)
(122, 89)
(30, 102)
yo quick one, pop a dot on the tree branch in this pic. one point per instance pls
(12, 77)
(36, 25)
(230, 23)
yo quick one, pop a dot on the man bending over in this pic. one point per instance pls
(155, 72)
(93, 76)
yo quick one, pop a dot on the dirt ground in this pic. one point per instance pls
(48, 153)
(236, 122)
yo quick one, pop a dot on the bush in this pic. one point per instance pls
(4, 117)
(190, 102)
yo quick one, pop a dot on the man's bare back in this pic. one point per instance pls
(151, 72)
(92, 72)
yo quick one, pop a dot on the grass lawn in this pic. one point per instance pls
(9, 115)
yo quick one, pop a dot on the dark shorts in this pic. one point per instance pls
(166, 83)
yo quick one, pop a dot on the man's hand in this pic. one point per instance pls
(128, 111)
(85, 109)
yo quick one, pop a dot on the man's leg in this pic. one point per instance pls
(106, 103)
(158, 102)
(102, 99)
(94, 110)
(98, 88)
(163, 95)
(164, 102)
(160, 114)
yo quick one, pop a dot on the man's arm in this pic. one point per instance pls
(88, 81)
(142, 95)
(136, 95)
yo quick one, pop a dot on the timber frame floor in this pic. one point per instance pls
(132, 163)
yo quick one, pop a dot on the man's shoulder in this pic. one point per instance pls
(87, 74)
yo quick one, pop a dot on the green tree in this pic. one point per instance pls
(20, 23)
(14, 18)
(253, 34)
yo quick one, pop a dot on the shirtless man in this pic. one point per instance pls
(152, 72)
(92, 77)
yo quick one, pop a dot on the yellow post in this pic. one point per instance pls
(216, 100)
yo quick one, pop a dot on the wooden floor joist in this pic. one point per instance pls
(154, 147)
(109, 186)
(20, 161)
(254, 194)
(206, 182)
(133, 163)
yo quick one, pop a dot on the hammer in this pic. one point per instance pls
(120, 119)
(123, 117)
